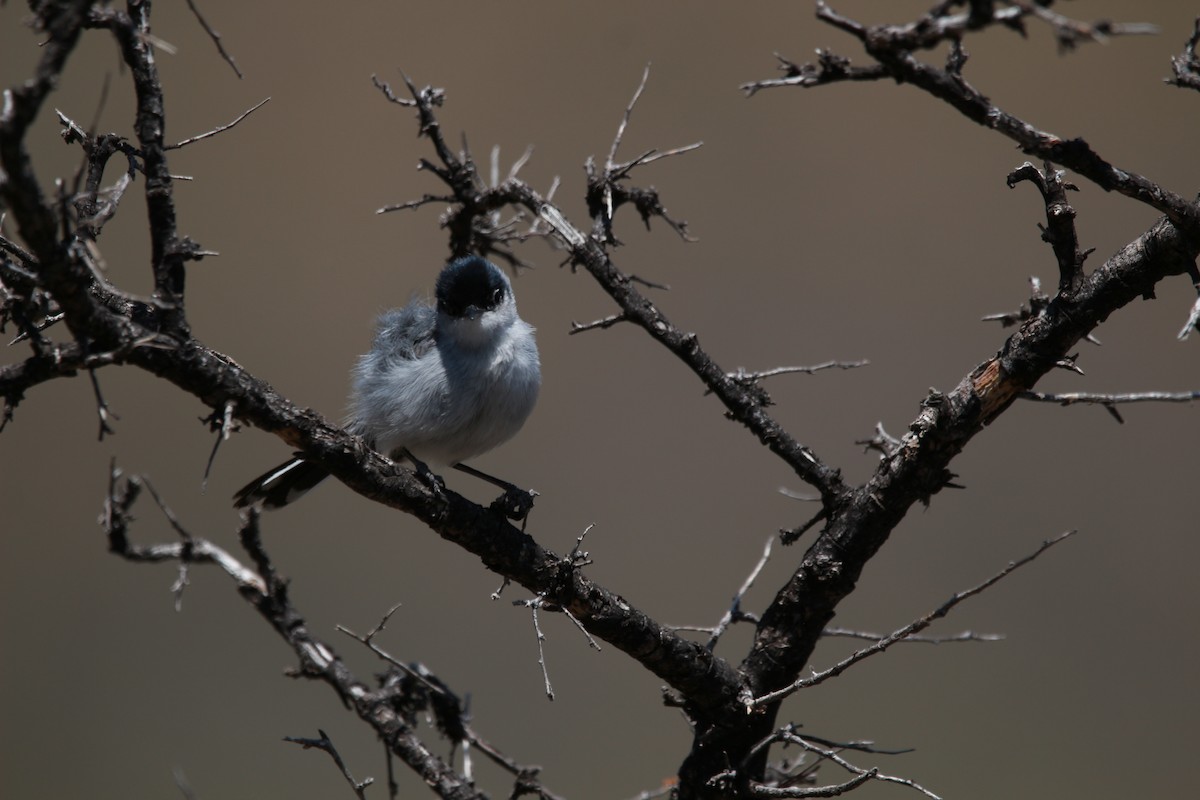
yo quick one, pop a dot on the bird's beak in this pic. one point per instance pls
(472, 312)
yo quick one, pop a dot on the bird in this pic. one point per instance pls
(442, 383)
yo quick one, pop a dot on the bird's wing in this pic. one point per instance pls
(405, 334)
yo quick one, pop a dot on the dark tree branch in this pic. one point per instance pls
(268, 593)
(1059, 232)
(746, 405)
(58, 275)
(168, 251)
(1187, 66)
(892, 48)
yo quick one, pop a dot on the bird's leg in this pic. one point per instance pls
(434, 482)
(515, 503)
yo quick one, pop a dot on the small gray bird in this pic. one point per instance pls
(439, 385)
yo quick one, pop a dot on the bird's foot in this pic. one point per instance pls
(515, 503)
(427, 476)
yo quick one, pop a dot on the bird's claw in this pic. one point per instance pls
(515, 503)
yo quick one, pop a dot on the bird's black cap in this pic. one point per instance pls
(469, 282)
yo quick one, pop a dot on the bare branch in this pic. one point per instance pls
(606, 322)
(892, 47)
(740, 375)
(745, 405)
(1193, 320)
(1059, 232)
(219, 128)
(965, 636)
(735, 609)
(1111, 401)
(533, 606)
(861, 775)
(326, 745)
(916, 626)
(1187, 66)
(882, 442)
(216, 37)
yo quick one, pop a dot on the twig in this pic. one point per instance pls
(1059, 231)
(742, 376)
(117, 515)
(734, 612)
(1187, 66)
(102, 410)
(1193, 321)
(541, 638)
(1110, 401)
(789, 735)
(222, 423)
(216, 37)
(882, 442)
(892, 46)
(368, 641)
(325, 744)
(219, 128)
(606, 322)
(965, 636)
(1070, 398)
(900, 634)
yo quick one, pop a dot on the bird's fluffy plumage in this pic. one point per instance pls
(446, 382)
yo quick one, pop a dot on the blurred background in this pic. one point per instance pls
(849, 222)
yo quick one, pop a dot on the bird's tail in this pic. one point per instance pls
(279, 486)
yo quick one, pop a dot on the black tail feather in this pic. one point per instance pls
(279, 486)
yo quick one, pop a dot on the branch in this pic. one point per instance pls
(216, 38)
(744, 404)
(1059, 232)
(1187, 66)
(1110, 401)
(892, 48)
(219, 128)
(326, 745)
(789, 735)
(168, 251)
(916, 626)
(263, 588)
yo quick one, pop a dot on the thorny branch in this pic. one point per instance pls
(893, 49)
(58, 276)
(392, 709)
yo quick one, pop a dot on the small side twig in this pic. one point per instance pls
(1110, 401)
(1193, 320)
(606, 322)
(742, 376)
(734, 613)
(533, 606)
(964, 636)
(222, 423)
(917, 625)
(219, 128)
(103, 412)
(789, 735)
(1187, 66)
(1059, 230)
(216, 37)
(326, 745)
(882, 442)
(369, 642)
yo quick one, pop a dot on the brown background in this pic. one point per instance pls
(859, 221)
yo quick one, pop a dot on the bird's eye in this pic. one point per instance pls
(497, 296)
